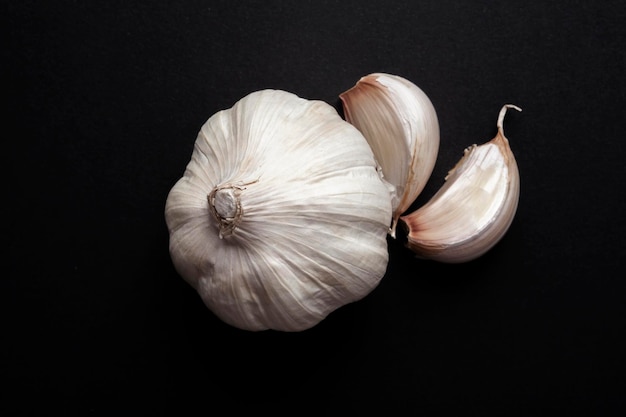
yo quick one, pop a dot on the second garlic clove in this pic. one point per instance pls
(474, 208)
(400, 124)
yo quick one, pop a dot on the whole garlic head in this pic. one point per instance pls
(282, 214)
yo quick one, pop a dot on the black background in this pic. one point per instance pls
(103, 101)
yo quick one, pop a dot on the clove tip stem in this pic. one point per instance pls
(500, 124)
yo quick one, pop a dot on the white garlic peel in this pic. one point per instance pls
(474, 208)
(282, 214)
(400, 123)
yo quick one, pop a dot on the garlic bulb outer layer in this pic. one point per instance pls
(281, 215)
(400, 123)
(474, 208)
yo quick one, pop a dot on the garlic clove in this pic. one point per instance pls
(474, 208)
(400, 124)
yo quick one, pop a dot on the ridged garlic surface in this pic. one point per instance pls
(474, 208)
(282, 214)
(400, 123)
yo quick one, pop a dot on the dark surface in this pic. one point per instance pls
(102, 106)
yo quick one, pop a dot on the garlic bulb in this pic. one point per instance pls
(474, 208)
(281, 215)
(400, 123)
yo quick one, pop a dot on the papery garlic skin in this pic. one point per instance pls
(281, 215)
(400, 123)
(474, 208)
